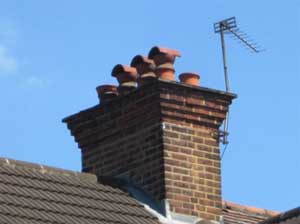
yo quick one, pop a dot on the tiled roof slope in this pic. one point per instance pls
(31, 193)
(239, 214)
(289, 217)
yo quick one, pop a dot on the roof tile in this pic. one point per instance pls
(32, 193)
(236, 214)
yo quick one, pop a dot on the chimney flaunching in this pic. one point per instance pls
(163, 136)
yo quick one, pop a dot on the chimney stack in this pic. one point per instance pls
(161, 136)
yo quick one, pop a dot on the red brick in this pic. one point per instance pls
(161, 135)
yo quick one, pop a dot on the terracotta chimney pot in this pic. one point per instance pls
(126, 77)
(189, 78)
(107, 92)
(142, 64)
(162, 55)
(124, 73)
(145, 68)
(165, 72)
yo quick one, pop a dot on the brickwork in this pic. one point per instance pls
(124, 138)
(191, 121)
(164, 137)
(192, 171)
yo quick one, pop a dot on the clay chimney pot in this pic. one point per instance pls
(124, 73)
(106, 92)
(142, 64)
(106, 89)
(165, 72)
(189, 78)
(162, 55)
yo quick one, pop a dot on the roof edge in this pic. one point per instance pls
(46, 169)
(251, 209)
(283, 216)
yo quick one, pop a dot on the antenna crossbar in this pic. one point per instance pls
(248, 44)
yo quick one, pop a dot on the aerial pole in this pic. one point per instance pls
(224, 57)
(229, 26)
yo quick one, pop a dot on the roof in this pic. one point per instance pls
(31, 193)
(289, 217)
(239, 214)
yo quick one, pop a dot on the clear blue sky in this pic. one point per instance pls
(54, 53)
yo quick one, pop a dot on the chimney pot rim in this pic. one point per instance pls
(189, 74)
(139, 59)
(163, 50)
(119, 68)
(106, 88)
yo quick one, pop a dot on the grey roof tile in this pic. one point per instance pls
(31, 193)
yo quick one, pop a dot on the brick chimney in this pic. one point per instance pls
(163, 136)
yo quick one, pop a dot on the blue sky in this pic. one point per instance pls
(54, 53)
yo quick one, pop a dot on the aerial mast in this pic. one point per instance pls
(229, 26)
